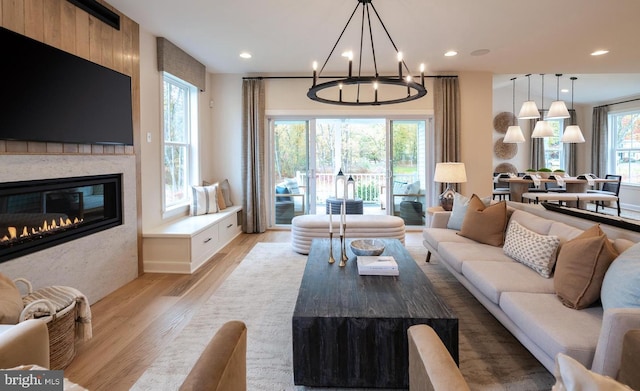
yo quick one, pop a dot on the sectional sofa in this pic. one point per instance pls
(527, 304)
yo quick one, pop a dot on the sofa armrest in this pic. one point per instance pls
(24, 343)
(440, 219)
(615, 324)
(629, 374)
(430, 364)
(223, 363)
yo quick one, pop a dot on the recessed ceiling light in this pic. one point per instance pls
(599, 52)
(245, 55)
(451, 53)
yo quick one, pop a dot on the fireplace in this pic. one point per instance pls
(38, 214)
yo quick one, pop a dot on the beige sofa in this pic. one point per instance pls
(24, 343)
(526, 303)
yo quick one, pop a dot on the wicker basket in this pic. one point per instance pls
(62, 337)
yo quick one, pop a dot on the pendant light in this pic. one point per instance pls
(514, 132)
(572, 133)
(542, 128)
(529, 110)
(558, 108)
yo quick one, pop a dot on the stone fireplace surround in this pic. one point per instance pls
(96, 264)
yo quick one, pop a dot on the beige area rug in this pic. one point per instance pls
(262, 292)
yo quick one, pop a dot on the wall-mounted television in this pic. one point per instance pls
(53, 96)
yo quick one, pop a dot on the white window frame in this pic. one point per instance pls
(193, 169)
(557, 135)
(614, 152)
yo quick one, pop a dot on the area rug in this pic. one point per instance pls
(262, 292)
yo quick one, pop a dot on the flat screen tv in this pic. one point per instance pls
(52, 96)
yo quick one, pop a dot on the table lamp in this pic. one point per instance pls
(449, 173)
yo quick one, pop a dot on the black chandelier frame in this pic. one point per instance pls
(414, 90)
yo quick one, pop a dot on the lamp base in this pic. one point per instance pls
(446, 198)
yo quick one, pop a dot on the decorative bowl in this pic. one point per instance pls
(367, 247)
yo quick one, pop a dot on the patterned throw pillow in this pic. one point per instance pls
(204, 200)
(531, 249)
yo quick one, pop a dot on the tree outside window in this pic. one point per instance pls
(625, 141)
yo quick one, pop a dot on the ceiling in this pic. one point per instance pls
(286, 36)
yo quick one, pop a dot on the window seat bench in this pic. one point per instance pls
(185, 244)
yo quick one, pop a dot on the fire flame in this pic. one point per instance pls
(46, 227)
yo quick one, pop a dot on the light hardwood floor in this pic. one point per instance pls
(132, 325)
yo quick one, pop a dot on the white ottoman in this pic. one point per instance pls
(308, 227)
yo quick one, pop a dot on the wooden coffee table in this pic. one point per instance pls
(351, 330)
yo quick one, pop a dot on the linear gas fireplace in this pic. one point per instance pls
(35, 215)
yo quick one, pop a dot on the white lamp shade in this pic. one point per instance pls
(558, 110)
(514, 135)
(542, 129)
(529, 110)
(572, 134)
(450, 173)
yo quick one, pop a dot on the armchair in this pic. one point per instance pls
(24, 343)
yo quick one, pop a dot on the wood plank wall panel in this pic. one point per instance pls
(62, 25)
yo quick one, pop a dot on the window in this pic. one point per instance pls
(624, 139)
(553, 147)
(179, 142)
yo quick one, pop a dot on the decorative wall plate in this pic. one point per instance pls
(505, 167)
(502, 121)
(504, 150)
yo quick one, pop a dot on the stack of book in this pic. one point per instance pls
(381, 265)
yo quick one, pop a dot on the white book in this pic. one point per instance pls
(377, 265)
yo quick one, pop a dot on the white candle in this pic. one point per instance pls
(330, 220)
(342, 220)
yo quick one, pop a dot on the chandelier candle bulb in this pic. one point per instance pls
(422, 74)
(315, 74)
(400, 65)
(375, 91)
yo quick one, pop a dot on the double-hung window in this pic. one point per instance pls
(179, 141)
(553, 148)
(624, 139)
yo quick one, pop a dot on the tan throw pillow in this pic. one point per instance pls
(484, 224)
(10, 301)
(581, 266)
(531, 249)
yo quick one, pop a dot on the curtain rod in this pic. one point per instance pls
(319, 77)
(617, 103)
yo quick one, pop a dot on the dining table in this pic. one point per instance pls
(519, 185)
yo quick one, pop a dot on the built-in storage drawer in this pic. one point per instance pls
(204, 245)
(228, 228)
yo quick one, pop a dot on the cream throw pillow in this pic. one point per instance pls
(573, 376)
(204, 200)
(581, 267)
(484, 224)
(10, 301)
(531, 249)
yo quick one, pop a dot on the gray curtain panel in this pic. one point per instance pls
(570, 158)
(599, 147)
(253, 164)
(537, 148)
(446, 97)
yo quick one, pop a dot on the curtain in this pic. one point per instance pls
(253, 164)
(537, 148)
(177, 62)
(570, 158)
(446, 97)
(599, 147)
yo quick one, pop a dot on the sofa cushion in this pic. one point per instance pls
(455, 254)
(621, 284)
(581, 267)
(10, 301)
(531, 249)
(494, 278)
(460, 205)
(435, 236)
(530, 221)
(564, 232)
(553, 327)
(485, 224)
(571, 375)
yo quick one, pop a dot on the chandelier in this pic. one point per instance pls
(363, 90)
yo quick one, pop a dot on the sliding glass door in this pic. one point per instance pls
(387, 160)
